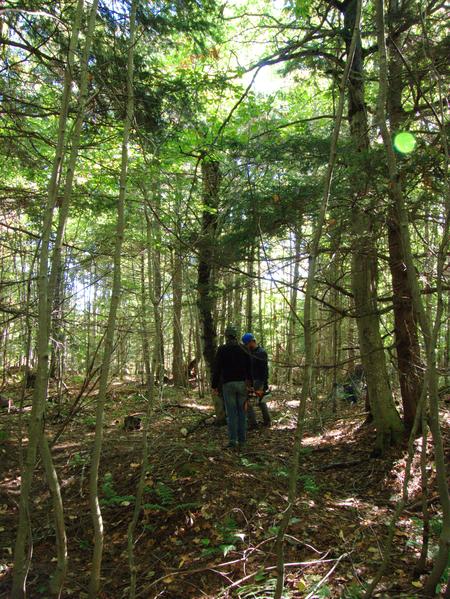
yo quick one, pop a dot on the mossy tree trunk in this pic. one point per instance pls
(387, 421)
(430, 332)
(406, 338)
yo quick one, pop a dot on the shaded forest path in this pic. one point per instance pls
(210, 516)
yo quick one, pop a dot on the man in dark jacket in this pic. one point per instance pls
(260, 378)
(232, 368)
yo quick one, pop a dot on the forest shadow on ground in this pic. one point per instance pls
(210, 516)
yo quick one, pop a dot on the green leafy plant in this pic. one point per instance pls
(305, 450)
(79, 459)
(323, 592)
(353, 591)
(251, 465)
(84, 544)
(229, 537)
(111, 497)
(263, 588)
(164, 494)
(89, 421)
(309, 484)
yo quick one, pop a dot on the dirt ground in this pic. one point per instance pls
(210, 516)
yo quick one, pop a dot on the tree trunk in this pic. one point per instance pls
(249, 289)
(154, 291)
(430, 332)
(140, 490)
(406, 339)
(157, 294)
(44, 302)
(145, 331)
(364, 259)
(179, 368)
(59, 576)
(260, 305)
(291, 342)
(97, 521)
(307, 315)
(211, 182)
(237, 302)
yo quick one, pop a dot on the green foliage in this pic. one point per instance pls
(353, 591)
(309, 484)
(79, 459)
(250, 465)
(436, 525)
(300, 8)
(111, 497)
(89, 422)
(323, 592)
(308, 481)
(165, 500)
(84, 544)
(164, 493)
(264, 588)
(229, 535)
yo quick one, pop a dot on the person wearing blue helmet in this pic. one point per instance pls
(260, 378)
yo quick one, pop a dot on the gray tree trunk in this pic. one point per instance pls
(291, 344)
(97, 521)
(249, 289)
(179, 368)
(157, 294)
(145, 331)
(44, 302)
(307, 314)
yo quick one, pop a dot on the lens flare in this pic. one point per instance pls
(405, 142)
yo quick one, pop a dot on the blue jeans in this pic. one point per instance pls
(235, 395)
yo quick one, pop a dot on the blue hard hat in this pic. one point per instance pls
(247, 337)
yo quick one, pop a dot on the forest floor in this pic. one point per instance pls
(210, 516)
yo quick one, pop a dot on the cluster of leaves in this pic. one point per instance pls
(110, 495)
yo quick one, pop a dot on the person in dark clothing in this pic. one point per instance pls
(354, 384)
(232, 369)
(260, 378)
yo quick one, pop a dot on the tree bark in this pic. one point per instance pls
(140, 489)
(364, 258)
(430, 333)
(179, 368)
(307, 313)
(44, 302)
(211, 183)
(291, 345)
(249, 289)
(157, 294)
(59, 576)
(405, 325)
(97, 521)
(145, 331)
